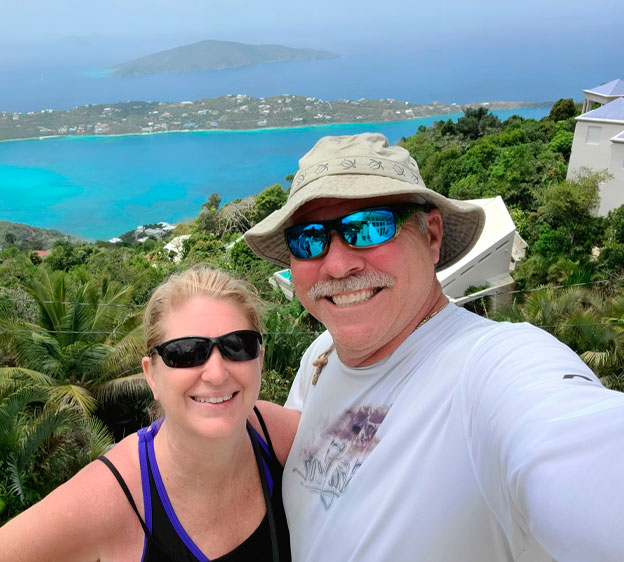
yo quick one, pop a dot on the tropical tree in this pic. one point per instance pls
(565, 215)
(563, 108)
(41, 445)
(589, 321)
(612, 254)
(268, 200)
(86, 343)
(477, 122)
(606, 357)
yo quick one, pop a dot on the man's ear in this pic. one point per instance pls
(435, 231)
(148, 372)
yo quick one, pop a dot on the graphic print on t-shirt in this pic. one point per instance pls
(328, 464)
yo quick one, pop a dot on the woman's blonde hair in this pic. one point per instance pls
(198, 282)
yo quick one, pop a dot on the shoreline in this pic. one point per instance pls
(135, 191)
(294, 127)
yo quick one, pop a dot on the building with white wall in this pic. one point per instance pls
(599, 142)
(603, 94)
(488, 264)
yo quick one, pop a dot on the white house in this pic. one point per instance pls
(599, 142)
(598, 145)
(176, 247)
(603, 94)
(487, 265)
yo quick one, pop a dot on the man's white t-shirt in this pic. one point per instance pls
(474, 441)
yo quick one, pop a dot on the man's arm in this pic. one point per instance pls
(547, 444)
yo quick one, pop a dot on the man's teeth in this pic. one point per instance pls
(353, 298)
(214, 400)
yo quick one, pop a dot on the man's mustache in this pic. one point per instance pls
(377, 280)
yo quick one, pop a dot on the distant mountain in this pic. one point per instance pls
(32, 237)
(215, 55)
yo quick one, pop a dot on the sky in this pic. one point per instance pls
(41, 28)
(563, 46)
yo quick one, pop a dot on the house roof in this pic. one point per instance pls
(613, 88)
(612, 111)
(498, 225)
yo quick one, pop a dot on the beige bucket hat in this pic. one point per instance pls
(358, 167)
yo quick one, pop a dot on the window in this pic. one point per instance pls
(593, 135)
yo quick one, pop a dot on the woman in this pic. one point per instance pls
(203, 482)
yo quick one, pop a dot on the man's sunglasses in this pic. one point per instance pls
(191, 351)
(361, 229)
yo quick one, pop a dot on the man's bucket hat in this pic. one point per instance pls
(358, 167)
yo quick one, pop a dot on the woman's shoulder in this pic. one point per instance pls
(281, 424)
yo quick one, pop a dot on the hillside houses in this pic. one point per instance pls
(599, 141)
(236, 112)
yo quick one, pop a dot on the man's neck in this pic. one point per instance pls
(365, 358)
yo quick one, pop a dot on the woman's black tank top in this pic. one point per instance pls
(165, 538)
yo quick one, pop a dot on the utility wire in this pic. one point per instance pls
(24, 300)
(615, 322)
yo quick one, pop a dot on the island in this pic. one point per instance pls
(230, 112)
(215, 55)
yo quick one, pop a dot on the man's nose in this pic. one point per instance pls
(341, 260)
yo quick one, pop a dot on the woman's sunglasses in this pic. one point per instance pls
(191, 351)
(361, 229)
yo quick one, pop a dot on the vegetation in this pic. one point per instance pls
(70, 322)
(26, 237)
(41, 444)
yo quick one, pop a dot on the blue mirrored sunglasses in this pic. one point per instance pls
(360, 229)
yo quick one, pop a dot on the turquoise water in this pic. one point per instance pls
(100, 187)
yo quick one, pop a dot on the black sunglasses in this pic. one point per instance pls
(360, 229)
(191, 351)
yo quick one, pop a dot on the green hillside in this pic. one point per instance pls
(30, 237)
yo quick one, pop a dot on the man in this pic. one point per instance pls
(429, 433)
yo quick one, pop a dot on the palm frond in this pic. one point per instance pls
(133, 385)
(45, 426)
(596, 359)
(111, 310)
(50, 294)
(75, 397)
(21, 373)
(18, 400)
(15, 484)
(126, 355)
(78, 320)
(89, 360)
(99, 438)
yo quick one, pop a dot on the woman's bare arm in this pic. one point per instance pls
(78, 522)
(282, 425)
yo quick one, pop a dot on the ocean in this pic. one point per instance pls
(101, 187)
(372, 76)
(98, 188)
